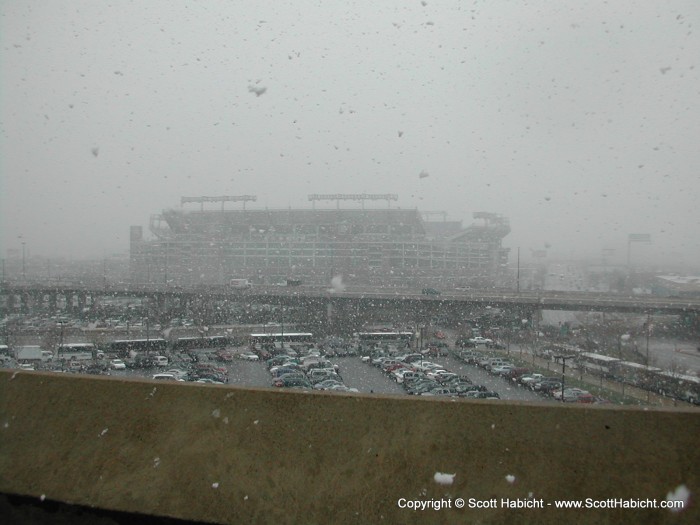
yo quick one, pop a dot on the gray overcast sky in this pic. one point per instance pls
(580, 121)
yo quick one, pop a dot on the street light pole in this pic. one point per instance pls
(518, 274)
(282, 342)
(24, 260)
(648, 330)
(60, 346)
(563, 371)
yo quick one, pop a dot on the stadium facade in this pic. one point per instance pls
(376, 247)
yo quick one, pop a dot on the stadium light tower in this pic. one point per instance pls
(644, 238)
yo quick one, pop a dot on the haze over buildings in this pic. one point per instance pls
(578, 122)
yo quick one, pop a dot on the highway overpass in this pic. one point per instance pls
(15, 294)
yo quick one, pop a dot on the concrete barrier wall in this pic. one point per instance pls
(230, 455)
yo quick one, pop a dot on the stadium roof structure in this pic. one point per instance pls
(232, 222)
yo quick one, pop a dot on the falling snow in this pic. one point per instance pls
(444, 479)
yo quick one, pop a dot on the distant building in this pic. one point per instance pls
(676, 286)
(390, 247)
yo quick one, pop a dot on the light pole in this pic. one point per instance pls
(282, 325)
(24, 261)
(563, 371)
(648, 332)
(518, 274)
(60, 345)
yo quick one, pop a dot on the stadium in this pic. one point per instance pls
(377, 247)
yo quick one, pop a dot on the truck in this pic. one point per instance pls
(29, 353)
(239, 284)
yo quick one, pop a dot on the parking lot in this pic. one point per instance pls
(362, 376)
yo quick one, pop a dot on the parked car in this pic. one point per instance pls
(293, 383)
(326, 384)
(422, 386)
(478, 340)
(469, 356)
(483, 395)
(343, 388)
(165, 377)
(502, 370)
(464, 389)
(517, 373)
(572, 395)
(530, 379)
(249, 356)
(440, 391)
(290, 375)
(456, 379)
(117, 364)
(463, 342)
(406, 374)
(224, 355)
(488, 364)
(210, 381)
(179, 374)
(318, 375)
(547, 387)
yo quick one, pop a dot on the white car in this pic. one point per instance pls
(209, 381)
(179, 374)
(117, 364)
(530, 379)
(478, 340)
(166, 377)
(405, 373)
(502, 369)
(249, 356)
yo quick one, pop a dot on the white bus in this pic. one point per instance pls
(597, 363)
(278, 337)
(77, 351)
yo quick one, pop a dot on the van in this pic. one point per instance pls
(496, 361)
(160, 360)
